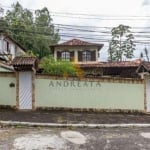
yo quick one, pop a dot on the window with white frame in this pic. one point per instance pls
(65, 56)
(86, 56)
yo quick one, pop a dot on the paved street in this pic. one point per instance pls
(60, 116)
(74, 139)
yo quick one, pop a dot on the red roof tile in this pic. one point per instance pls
(77, 42)
(145, 65)
(111, 64)
(24, 61)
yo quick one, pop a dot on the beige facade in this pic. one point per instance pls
(77, 51)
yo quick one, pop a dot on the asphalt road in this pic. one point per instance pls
(74, 139)
(72, 117)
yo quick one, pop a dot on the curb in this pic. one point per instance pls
(33, 124)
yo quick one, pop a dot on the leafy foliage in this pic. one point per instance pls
(121, 45)
(58, 68)
(33, 30)
(29, 53)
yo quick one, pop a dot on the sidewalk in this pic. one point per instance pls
(66, 117)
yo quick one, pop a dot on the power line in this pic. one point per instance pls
(96, 35)
(85, 14)
(87, 30)
(66, 35)
(101, 18)
(73, 27)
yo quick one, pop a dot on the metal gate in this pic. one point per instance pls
(148, 93)
(25, 90)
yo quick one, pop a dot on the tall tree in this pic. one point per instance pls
(16, 23)
(43, 23)
(121, 44)
(34, 30)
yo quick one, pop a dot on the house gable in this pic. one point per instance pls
(143, 67)
(9, 48)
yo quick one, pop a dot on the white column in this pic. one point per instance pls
(97, 55)
(55, 55)
(76, 55)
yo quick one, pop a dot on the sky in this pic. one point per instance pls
(99, 13)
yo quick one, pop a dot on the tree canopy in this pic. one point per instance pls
(121, 45)
(34, 30)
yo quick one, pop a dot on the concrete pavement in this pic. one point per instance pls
(42, 138)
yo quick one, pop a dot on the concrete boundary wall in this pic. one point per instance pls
(87, 93)
(7, 89)
(101, 94)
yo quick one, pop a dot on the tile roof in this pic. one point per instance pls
(24, 61)
(145, 65)
(135, 63)
(77, 42)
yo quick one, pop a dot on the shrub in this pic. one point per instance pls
(58, 68)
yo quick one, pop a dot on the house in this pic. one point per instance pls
(124, 69)
(86, 55)
(9, 48)
(76, 50)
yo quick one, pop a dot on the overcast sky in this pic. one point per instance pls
(103, 7)
(107, 8)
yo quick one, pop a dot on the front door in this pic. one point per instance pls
(25, 90)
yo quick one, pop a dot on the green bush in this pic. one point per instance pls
(58, 68)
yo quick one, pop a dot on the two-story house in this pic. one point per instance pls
(9, 48)
(86, 54)
(76, 50)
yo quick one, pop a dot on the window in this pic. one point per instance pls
(6, 46)
(1, 49)
(86, 56)
(65, 56)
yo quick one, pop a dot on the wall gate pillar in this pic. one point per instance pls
(25, 82)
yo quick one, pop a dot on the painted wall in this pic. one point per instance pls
(89, 94)
(4, 70)
(7, 93)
